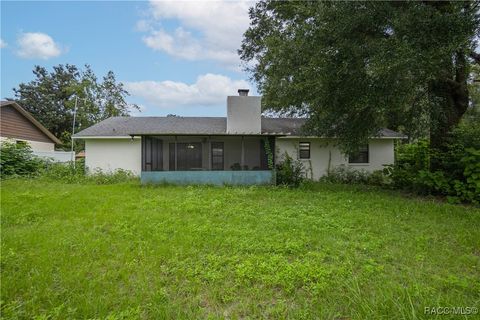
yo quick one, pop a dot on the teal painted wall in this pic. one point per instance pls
(208, 177)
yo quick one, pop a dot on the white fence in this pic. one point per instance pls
(57, 156)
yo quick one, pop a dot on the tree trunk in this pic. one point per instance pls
(455, 103)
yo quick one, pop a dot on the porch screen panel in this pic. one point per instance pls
(189, 156)
(171, 157)
(217, 156)
(152, 154)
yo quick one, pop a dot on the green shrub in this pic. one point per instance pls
(68, 173)
(379, 178)
(345, 174)
(18, 160)
(469, 190)
(290, 172)
(465, 189)
(453, 172)
(410, 159)
(428, 182)
(119, 175)
(65, 172)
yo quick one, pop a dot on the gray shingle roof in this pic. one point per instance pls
(125, 126)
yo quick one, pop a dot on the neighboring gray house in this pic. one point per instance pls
(220, 150)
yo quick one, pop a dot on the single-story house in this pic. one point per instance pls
(219, 150)
(19, 126)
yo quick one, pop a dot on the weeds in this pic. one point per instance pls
(121, 251)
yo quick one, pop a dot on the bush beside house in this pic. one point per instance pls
(453, 172)
(18, 160)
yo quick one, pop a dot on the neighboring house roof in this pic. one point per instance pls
(14, 131)
(127, 126)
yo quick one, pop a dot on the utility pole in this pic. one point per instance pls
(73, 130)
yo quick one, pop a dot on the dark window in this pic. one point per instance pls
(361, 156)
(217, 155)
(189, 156)
(304, 150)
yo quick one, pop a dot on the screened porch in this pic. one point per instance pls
(207, 159)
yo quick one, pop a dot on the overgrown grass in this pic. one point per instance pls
(123, 251)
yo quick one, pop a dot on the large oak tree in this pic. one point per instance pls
(355, 67)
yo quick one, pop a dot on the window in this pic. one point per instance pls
(21, 143)
(304, 150)
(359, 157)
(217, 156)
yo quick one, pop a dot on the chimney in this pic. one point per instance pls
(244, 113)
(243, 92)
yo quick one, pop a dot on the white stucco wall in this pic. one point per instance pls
(111, 154)
(56, 156)
(35, 145)
(323, 151)
(42, 146)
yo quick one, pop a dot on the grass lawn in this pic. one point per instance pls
(130, 252)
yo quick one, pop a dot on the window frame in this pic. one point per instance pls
(356, 158)
(305, 143)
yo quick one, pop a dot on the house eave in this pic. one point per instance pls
(211, 134)
(138, 135)
(333, 138)
(105, 137)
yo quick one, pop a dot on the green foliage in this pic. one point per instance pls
(470, 189)
(289, 172)
(125, 251)
(268, 152)
(16, 159)
(67, 173)
(379, 178)
(50, 97)
(410, 158)
(354, 67)
(473, 113)
(118, 176)
(347, 175)
(456, 174)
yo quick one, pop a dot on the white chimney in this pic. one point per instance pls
(244, 114)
